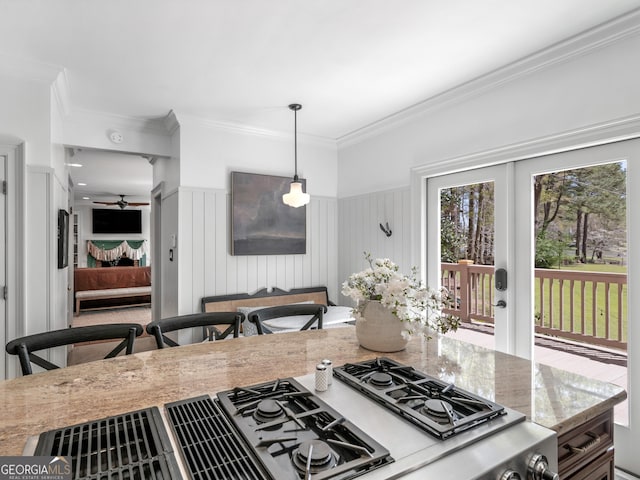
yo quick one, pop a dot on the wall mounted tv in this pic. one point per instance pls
(117, 221)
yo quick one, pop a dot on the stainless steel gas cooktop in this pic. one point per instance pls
(378, 420)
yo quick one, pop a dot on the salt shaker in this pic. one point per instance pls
(321, 377)
(329, 364)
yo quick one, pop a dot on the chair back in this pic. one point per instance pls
(24, 347)
(258, 317)
(208, 321)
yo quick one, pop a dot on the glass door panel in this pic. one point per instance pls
(568, 238)
(574, 210)
(464, 247)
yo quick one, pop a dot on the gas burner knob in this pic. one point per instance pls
(510, 475)
(539, 469)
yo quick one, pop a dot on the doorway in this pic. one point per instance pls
(3, 261)
(524, 242)
(598, 171)
(116, 185)
(12, 249)
(468, 239)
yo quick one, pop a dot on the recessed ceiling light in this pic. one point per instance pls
(73, 164)
(82, 184)
(86, 198)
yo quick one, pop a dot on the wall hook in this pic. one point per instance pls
(385, 228)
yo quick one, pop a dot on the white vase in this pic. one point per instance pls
(379, 329)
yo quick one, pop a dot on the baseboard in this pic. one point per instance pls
(620, 475)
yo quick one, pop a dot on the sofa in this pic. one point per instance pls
(96, 288)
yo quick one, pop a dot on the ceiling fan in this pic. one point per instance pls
(122, 203)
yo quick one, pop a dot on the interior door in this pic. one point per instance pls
(627, 153)
(500, 178)
(3, 263)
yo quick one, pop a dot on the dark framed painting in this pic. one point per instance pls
(261, 224)
(63, 238)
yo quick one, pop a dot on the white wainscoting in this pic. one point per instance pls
(207, 267)
(359, 230)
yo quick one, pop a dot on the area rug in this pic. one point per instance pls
(138, 314)
(90, 351)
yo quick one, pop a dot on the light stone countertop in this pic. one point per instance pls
(30, 405)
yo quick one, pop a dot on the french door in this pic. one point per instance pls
(626, 155)
(515, 250)
(496, 303)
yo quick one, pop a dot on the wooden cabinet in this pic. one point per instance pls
(586, 452)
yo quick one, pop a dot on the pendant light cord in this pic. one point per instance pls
(295, 145)
(295, 107)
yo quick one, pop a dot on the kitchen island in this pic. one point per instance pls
(553, 398)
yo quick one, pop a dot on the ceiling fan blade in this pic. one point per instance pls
(122, 203)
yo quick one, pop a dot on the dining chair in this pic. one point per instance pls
(313, 310)
(209, 321)
(25, 347)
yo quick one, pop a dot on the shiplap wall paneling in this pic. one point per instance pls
(217, 216)
(210, 269)
(41, 236)
(191, 207)
(359, 230)
(210, 237)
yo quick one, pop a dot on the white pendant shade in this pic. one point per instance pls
(296, 197)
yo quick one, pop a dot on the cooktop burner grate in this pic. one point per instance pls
(127, 446)
(295, 435)
(441, 409)
(210, 447)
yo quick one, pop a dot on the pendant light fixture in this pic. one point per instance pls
(296, 197)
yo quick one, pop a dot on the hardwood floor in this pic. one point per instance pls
(95, 351)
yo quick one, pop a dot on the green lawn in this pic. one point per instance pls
(596, 267)
(564, 323)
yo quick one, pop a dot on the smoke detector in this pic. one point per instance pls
(115, 136)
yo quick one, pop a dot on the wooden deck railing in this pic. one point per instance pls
(585, 306)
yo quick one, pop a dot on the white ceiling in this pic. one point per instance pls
(350, 63)
(108, 175)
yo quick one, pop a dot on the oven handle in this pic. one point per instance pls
(595, 440)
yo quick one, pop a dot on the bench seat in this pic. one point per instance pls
(111, 293)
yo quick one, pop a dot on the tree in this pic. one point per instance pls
(466, 225)
(598, 194)
(451, 237)
(576, 204)
(549, 190)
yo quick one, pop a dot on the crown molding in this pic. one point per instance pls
(616, 130)
(171, 123)
(60, 92)
(154, 126)
(616, 30)
(242, 129)
(27, 69)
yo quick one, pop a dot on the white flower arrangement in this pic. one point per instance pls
(418, 306)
